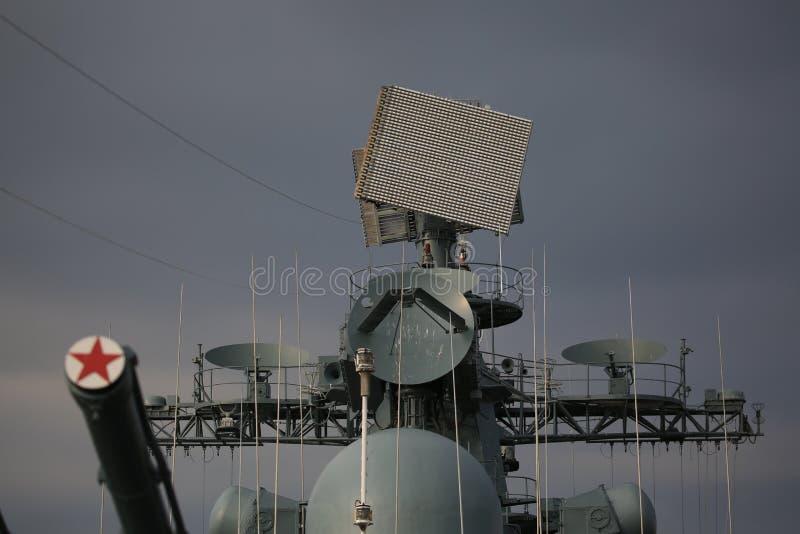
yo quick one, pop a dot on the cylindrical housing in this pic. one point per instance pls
(116, 430)
(362, 516)
(365, 366)
(365, 361)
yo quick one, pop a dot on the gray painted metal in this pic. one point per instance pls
(226, 518)
(383, 223)
(155, 401)
(240, 355)
(430, 296)
(607, 511)
(616, 351)
(443, 157)
(329, 372)
(427, 490)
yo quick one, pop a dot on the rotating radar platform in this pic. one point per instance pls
(435, 316)
(609, 352)
(240, 356)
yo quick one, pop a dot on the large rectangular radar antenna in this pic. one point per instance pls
(443, 157)
(383, 223)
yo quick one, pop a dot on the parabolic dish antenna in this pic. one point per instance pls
(433, 305)
(240, 355)
(614, 351)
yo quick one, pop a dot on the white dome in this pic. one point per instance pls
(427, 490)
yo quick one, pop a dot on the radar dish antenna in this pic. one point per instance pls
(240, 355)
(614, 351)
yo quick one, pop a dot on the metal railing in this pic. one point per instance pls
(527, 491)
(215, 386)
(573, 379)
(493, 281)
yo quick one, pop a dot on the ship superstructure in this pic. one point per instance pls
(446, 417)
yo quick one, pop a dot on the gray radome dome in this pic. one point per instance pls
(625, 499)
(427, 489)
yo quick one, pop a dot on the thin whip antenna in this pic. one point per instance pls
(455, 421)
(725, 426)
(699, 492)
(241, 431)
(653, 475)
(203, 506)
(500, 258)
(572, 467)
(716, 492)
(536, 402)
(399, 387)
(277, 429)
(636, 409)
(546, 387)
(102, 499)
(733, 485)
(707, 489)
(255, 396)
(177, 385)
(299, 374)
(683, 498)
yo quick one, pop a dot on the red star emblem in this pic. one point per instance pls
(95, 361)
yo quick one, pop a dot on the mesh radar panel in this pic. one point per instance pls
(443, 157)
(383, 223)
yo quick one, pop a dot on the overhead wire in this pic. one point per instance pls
(161, 124)
(116, 243)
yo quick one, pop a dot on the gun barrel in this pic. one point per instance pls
(114, 415)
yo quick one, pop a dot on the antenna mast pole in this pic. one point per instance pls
(365, 366)
(685, 351)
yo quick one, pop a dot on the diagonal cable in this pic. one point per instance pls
(161, 124)
(114, 242)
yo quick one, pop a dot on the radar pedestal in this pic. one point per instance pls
(617, 357)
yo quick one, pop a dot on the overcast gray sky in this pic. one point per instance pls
(665, 148)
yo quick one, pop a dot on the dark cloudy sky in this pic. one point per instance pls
(665, 148)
